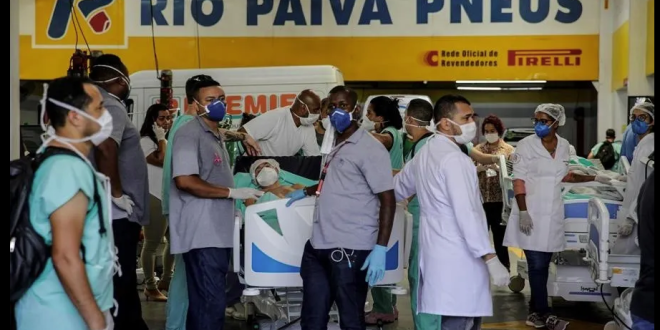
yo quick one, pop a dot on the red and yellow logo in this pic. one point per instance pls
(544, 57)
(66, 23)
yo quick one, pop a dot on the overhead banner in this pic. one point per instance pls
(369, 40)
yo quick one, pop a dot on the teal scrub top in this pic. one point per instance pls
(396, 152)
(167, 162)
(46, 305)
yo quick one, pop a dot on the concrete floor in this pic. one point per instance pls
(510, 310)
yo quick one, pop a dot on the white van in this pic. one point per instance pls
(251, 90)
(403, 104)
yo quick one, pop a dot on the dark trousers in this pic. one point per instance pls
(206, 273)
(129, 314)
(538, 268)
(326, 281)
(494, 217)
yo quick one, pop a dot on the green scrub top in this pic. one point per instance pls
(46, 304)
(167, 162)
(396, 152)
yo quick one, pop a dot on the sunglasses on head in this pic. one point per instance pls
(200, 78)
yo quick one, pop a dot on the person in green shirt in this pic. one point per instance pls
(418, 116)
(610, 137)
(384, 113)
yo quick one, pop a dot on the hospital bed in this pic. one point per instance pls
(610, 270)
(267, 261)
(570, 277)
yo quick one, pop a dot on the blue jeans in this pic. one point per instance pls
(460, 323)
(326, 282)
(642, 324)
(538, 268)
(206, 274)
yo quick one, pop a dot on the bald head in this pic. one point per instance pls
(310, 99)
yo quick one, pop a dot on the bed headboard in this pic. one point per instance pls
(308, 166)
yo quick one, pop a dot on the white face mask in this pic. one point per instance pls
(267, 177)
(492, 137)
(368, 125)
(311, 117)
(325, 122)
(104, 122)
(468, 132)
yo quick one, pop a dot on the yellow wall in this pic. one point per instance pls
(650, 37)
(620, 56)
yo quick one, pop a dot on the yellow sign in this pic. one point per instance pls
(620, 57)
(360, 59)
(391, 42)
(650, 38)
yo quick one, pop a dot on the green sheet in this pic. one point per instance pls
(244, 180)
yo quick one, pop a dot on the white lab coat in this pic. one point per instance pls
(636, 178)
(453, 234)
(543, 175)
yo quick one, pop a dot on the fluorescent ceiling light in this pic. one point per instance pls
(474, 88)
(495, 82)
(487, 88)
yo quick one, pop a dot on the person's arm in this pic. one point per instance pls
(379, 179)
(577, 178)
(250, 144)
(461, 179)
(67, 229)
(521, 162)
(385, 138)
(262, 127)
(185, 169)
(404, 182)
(591, 155)
(151, 151)
(106, 155)
(482, 158)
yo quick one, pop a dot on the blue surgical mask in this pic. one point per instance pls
(340, 119)
(639, 127)
(541, 130)
(216, 110)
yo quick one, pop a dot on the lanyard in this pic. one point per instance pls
(325, 167)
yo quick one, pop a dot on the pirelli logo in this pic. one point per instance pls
(544, 57)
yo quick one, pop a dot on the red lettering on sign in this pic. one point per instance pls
(255, 105)
(287, 100)
(545, 57)
(234, 105)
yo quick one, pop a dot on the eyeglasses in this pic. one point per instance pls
(542, 121)
(642, 117)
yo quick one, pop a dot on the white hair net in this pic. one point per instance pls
(644, 106)
(555, 111)
(253, 168)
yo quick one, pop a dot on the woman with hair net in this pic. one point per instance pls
(536, 224)
(642, 121)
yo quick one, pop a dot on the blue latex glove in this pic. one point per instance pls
(376, 264)
(295, 196)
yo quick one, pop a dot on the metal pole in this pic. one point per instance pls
(14, 81)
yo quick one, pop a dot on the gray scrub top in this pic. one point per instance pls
(346, 213)
(196, 222)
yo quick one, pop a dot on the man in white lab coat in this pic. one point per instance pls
(454, 247)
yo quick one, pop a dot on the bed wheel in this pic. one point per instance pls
(517, 283)
(611, 325)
